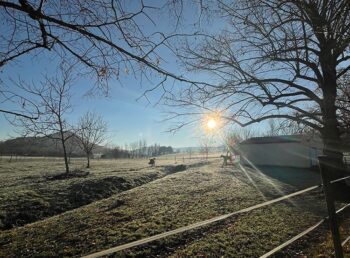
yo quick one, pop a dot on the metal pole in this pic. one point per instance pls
(324, 162)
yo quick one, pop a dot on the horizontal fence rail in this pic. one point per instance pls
(197, 225)
(345, 241)
(340, 179)
(220, 218)
(292, 240)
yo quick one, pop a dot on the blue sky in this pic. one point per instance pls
(128, 120)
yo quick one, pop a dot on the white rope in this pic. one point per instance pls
(340, 179)
(215, 219)
(345, 241)
(195, 225)
(290, 241)
(278, 248)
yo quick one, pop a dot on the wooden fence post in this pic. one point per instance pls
(326, 170)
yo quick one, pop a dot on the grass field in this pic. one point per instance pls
(29, 193)
(165, 202)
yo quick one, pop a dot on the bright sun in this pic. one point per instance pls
(211, 124)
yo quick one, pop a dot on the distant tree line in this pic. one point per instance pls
(137, 149)
(43, 146)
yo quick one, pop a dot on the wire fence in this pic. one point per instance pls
(223, 217)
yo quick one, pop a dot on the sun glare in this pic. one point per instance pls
(211, 124)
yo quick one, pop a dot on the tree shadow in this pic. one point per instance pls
(296, 177)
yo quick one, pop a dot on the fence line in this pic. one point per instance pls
(223, 217)
(339, 179)
(345, 241)
(292, 240)
(196, 225)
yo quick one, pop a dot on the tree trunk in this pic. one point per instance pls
(88, 160)
(331, 135)
(65, 155)
(330, 132)
(332, 145)
(63, 146)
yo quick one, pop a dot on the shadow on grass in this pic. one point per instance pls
(72, 174)
(297, 177)
(301, 178)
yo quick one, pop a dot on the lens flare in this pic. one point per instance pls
(211, 124)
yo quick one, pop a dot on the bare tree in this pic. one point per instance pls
(52, 97)
(189, 151)
(143, 147)
(205, 144)
(133, 149)
(91, 131)
(343, 102)
(273, 60)
(231, 141)
(236, 135)
(290, 127)
(106, 39)
(72, 147)
(273, 128)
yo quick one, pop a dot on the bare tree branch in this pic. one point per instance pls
(272, 60)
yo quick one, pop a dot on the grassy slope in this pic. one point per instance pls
(320, 241)
(168, 203)
(26, 195)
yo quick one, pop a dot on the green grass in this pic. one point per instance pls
(27, 193)
(170, 202)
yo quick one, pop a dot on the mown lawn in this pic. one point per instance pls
(173, 201)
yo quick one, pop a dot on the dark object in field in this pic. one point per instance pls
(173, 169)
(72, 174)
(152, 162)
(226, 157)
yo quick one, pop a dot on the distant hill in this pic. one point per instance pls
(45, 146)
(39, 146)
